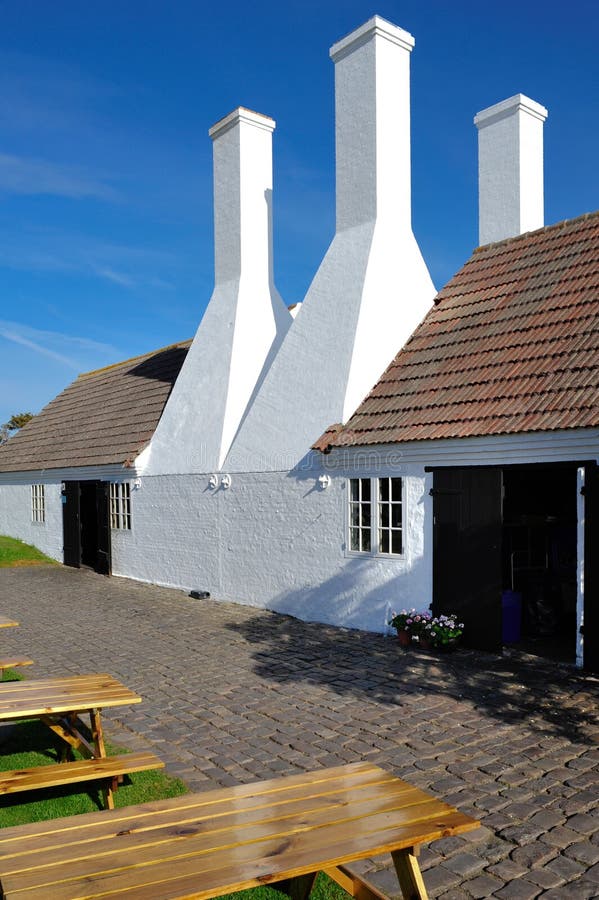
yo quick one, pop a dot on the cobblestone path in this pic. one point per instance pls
(232, 694)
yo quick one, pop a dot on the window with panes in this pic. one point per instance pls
(375, 517)
(38, 503)
(120, 505)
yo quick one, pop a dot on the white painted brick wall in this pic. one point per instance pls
(15, 518)
(272, 540)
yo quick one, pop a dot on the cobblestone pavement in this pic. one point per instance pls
(232, 694)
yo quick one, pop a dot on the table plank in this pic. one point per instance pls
(35, 697)
(204, 845)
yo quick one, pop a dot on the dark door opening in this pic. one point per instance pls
(89, 524)
(86, 531)
(540, 557)
(467, 551)
(505, 555)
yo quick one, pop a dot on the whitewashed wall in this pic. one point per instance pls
(274, 540)
(15, 518)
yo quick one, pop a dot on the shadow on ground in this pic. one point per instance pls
(548, 697)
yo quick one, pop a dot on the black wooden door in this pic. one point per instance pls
(591, 569)
(467, 517)
(71, 524)
(103, 559)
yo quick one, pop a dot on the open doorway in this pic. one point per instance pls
(86, 528)
(539, 559)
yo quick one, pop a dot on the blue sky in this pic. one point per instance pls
(105, 161)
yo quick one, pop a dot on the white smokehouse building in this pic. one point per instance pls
(469, 471)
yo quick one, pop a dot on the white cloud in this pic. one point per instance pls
(22, 175)
(67, 349)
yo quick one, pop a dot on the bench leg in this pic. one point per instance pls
(98, 738)
(409, 874)
(297, 888)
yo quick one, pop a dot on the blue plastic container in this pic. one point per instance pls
(511, 604)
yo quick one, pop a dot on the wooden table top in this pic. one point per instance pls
(7, 623)
(208, 844)
(72, 693)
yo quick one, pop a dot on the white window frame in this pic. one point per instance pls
(375, 518)
(120, 506)
(38, 504)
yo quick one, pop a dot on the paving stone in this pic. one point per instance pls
(533, 854)
(584, 851)
(232, 694)
(583, 823)
(518, 890)
(465, 864)
(483, 886)
(565, 867)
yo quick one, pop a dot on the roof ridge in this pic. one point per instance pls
(124, 362)
(546, 228)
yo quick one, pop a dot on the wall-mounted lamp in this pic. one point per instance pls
(136, 484)
(226, 481)
(324, 482)
(213, 481)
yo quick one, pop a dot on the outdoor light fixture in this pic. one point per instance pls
(324, 481)
(226, 481)
(213, 481)
(136, 483)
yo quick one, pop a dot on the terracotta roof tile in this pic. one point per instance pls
(104, 417)
(511, 345)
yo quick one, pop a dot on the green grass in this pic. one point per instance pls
(17, 553)
(31, 743)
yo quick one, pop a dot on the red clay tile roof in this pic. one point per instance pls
(511, 345)
(103, 417)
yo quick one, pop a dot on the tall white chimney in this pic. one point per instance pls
(372, 287)
(372, 124)
(510, 168)
(245, 320)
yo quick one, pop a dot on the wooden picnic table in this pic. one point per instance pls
(59, 703)
(281, 831)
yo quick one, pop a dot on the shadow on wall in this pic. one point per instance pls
(362, 594)
(372, 668)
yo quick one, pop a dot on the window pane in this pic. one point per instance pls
(365, 515)
(354, 539)
(354, 487)
(365, 488)
(396, 515)
(355, 514)
(384, 514)
(384, 489)
(395, 488)
(366, 540)
(396, 542)
(384, 541)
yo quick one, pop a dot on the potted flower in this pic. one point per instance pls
(419, 630)
(402, 622)
(445, 631)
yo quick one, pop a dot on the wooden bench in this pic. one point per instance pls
(280, 832)
(59, 703)
(13, 662)
(107, 768)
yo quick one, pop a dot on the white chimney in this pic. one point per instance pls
(372, 124)
(510, 168)
(245, 320)
(372, 287)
